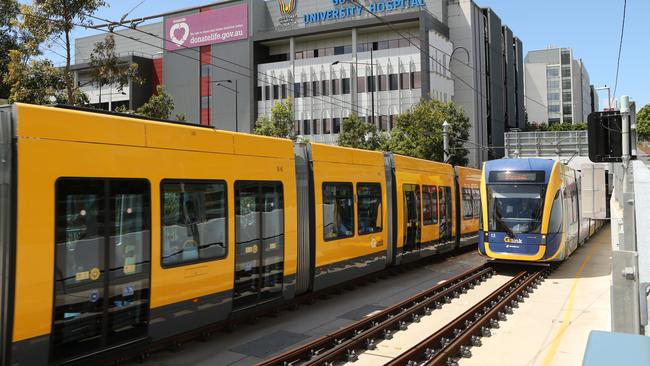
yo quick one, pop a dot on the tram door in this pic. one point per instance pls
(411, 217)
(259, 243)
(446, 221)
(102, 271)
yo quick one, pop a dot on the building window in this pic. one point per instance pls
(315, 127)
(566, 58)
(382, 45)
(308, 54)
(566, 95)
(338, 211)
(276, 92)
(327, 126)
(361, 84)
(283, 89)
(392, 82)
(305, 89)
(552, 71)
(346, 85)
(371, 82)
(383, 123)
(393, 43)
(553, 84)
(566, 71)
(362, 47)
(267, 92)
(305, 127)
(568, 119)
(404, 80)
(566, 109)
(369, 208)
(416, 83)
(298, 55)
(391, 121)
(476, 196)
(336, 87)
(314, 89)
(296, 127)
(566, 84)
(296, 90)
(383, 83)
(336, 125)
(325, 88)
(193, 221)
(205, 102)
(403, 43)
(554, 96)
(258, 93)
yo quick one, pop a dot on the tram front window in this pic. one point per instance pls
(515, 208)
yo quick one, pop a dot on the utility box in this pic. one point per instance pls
(594, 191)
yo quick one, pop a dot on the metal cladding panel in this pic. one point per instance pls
(521, 112)
(593, 204)
(304, 199)
(497, 81)
(7, 230)
(511, 78)
(181, 80)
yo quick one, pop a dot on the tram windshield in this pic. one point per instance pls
(515, 208)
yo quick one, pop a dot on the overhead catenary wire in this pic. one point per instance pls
(620, 47)
(246, 75)
(355, 106)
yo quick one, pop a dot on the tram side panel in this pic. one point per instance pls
(469, 205)
(94, 272)
(351, 220)
(425, 208)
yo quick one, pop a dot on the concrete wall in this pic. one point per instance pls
(519, 70)
(535, 85)
(496, 108)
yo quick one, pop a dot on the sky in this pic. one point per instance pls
(591, 27)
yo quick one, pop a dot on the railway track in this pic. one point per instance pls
(452, 341)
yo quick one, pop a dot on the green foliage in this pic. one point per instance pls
(160, 105)
(359, 134)
(419, 132)
(37, 82)
(106, 68)
(55, 19)
(541, 127)
(8, 41)
(643, 123)
(280, 124)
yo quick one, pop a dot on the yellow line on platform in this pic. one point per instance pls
(567, 315)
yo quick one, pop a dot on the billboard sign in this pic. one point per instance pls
(208, 27)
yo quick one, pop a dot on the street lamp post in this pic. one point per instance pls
(236, 92)
(372, 77)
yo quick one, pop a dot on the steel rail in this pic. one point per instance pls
(343, 344)
(457, 337)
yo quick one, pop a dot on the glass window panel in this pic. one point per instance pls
(193, 221)
(276, 92)
(296, 90)
(306, 89)
(404, 80)
(314, 88)
(403, 42)
(429, 205)
(392, 81)
(382, 45)
(361, 84)
(383, 83)
(315, 127)
(468, 212)
(267, 92)
(416, 82)
(346, 85)
(369, 208)
(298, 55)
(338, 211)
(284, 91)
(306, 127)
(371, 82)
(336, 125)
(325, 87)
(327, 126)
(394, 43)
(336, 87)
(258, 93)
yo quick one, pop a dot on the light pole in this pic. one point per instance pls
(609, 97)
(236, 91)
(445, 141)
(372, 77)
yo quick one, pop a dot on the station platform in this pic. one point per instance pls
(552, 326)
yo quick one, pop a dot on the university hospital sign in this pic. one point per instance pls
(343, 9)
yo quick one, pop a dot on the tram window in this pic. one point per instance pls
(476, 195)
(193, 221)
(555, 223)
(468, 210)
(369, 208)
(430, 205)
(338, 211)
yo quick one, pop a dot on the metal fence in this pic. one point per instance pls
(557, 144)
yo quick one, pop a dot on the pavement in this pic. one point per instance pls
(251, 343)
(552, 326)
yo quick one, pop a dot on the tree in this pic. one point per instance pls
(358, 134)
(53, 19)
(280, 124)
(106, 68)
(567, 127)
(160, 105)
(418, 132)
(8, 41)
(643, 122)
